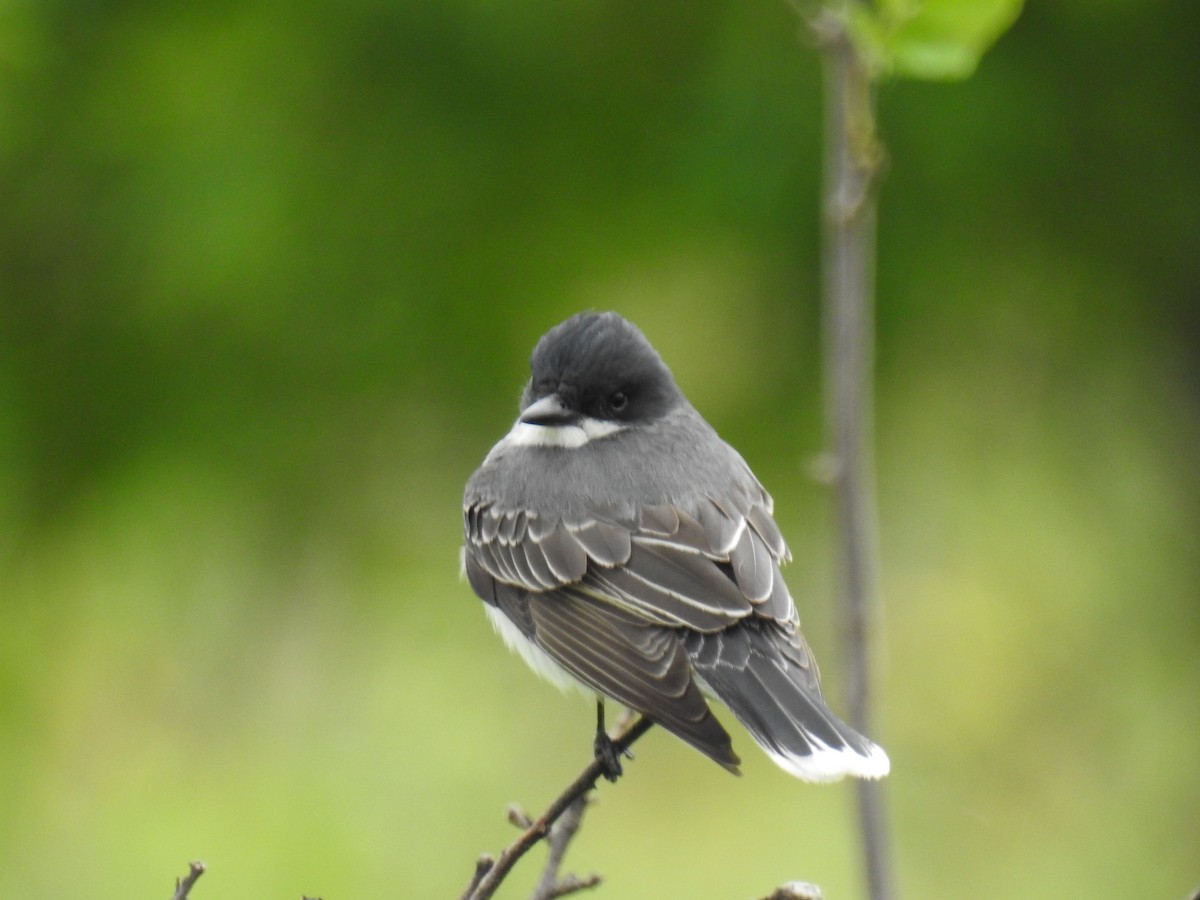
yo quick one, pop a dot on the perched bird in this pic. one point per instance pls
(619, 543)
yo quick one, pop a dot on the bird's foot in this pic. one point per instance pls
(609, 756)
(605, 748)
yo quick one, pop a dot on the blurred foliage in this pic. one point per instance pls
(269, 275)
(936, 39)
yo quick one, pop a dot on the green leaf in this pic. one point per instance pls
(932, 39)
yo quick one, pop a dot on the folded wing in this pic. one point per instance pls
(649, 606)
(609, 598)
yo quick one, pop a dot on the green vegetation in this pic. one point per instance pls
(269, 276)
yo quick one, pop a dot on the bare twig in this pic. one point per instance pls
(483, 865)
(490, 873)
(853, 160)
(517, 816)
(550, 885)
(183, 886)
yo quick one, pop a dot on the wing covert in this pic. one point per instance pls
(704, 566)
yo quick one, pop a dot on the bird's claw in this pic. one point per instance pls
(609, 755)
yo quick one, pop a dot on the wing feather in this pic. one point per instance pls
(691, 534)
(642, 666)
(606, 545)
(760, 520)
(778, 605)
(661, 520)
(537, 527)
(535, 557)
(500, 559)
(626, 589)
(519, 561)
(765, 675)
(566, 557)
(512, 527)
(720, 529)
(489, 524)
(753, 567)
(701, 567)
(693, 580)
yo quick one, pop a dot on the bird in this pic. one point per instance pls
(620, 545)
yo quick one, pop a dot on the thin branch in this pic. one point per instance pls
(852, 156)
(853, 160)
(483, 865)
(490, 873)
(183, 886)
(550, 885)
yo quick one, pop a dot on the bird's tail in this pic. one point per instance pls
(767, 678)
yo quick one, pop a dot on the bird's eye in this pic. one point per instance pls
(618, 401)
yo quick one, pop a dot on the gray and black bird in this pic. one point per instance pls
(619, 544)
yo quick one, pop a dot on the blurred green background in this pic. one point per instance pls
(269, 278)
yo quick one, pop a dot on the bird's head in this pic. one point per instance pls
(596, 372)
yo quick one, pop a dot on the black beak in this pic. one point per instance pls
(548, 411)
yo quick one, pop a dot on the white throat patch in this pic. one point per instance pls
(523, 434)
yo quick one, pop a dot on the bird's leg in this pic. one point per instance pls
(606, 751)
